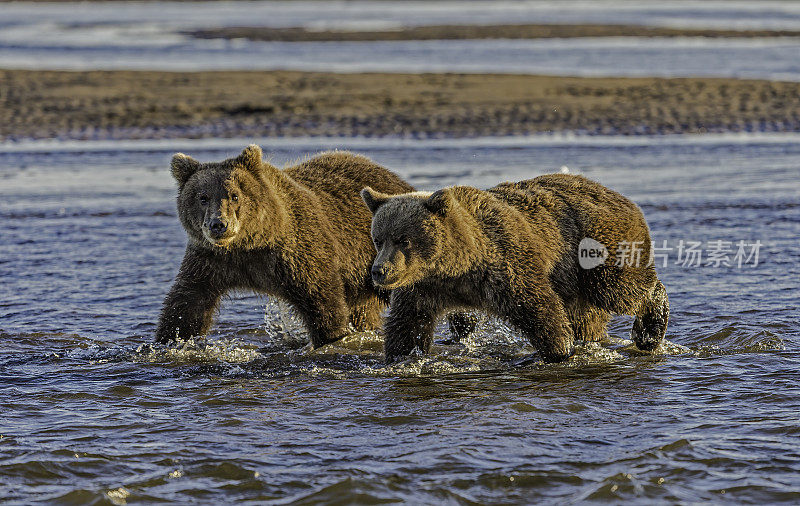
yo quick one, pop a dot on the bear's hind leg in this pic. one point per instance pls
(323, 310)
(651, 320)
(543, 320)
(366, 316)
(326, 324)
(588, 323)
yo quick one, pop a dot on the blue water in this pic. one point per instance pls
(114, 35)
(92, 412)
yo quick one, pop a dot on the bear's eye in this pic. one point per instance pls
(235, 197)
(403, 241)
(203, 200)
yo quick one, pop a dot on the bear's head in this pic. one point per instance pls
(408, 232)
(219, 201)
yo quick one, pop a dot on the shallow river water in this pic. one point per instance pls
(149, 36)
(92, 413)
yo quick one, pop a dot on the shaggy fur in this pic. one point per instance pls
(512, 251)
(301, 234)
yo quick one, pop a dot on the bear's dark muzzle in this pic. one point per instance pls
(217, 227)
(378, 274)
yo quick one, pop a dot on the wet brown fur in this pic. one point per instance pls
(512, 251)
(301, 234)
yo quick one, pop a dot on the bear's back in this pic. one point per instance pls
(583, 192)
(589, 201)
(343, 175)
(580, 206)
(526, 197)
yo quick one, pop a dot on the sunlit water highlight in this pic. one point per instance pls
(92, 412)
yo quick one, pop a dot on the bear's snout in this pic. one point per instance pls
(217, 227)
(378, 274)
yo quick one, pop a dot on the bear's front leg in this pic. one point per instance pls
(651, 320)
(462, 324)
(409, 325)
(189, 307)
(541, 316)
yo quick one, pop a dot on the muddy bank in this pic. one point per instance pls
(129, 104)
(455, 32)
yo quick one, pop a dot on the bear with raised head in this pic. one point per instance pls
(513, 252)
(300, 234)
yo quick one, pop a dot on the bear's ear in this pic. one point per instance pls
(182, 167)
(373, 199)
(439, 202)
(251, 158)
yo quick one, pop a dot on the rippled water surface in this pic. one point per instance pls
(91, 412)
(148, 35)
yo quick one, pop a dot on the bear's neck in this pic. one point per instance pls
(283, 201)
(463, 245)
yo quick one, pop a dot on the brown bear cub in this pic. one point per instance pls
(301, 234)
(513, 251)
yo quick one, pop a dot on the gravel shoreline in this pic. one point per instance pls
(103, 105)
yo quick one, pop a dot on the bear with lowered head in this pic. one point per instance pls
(513, 252)
(299, 233)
